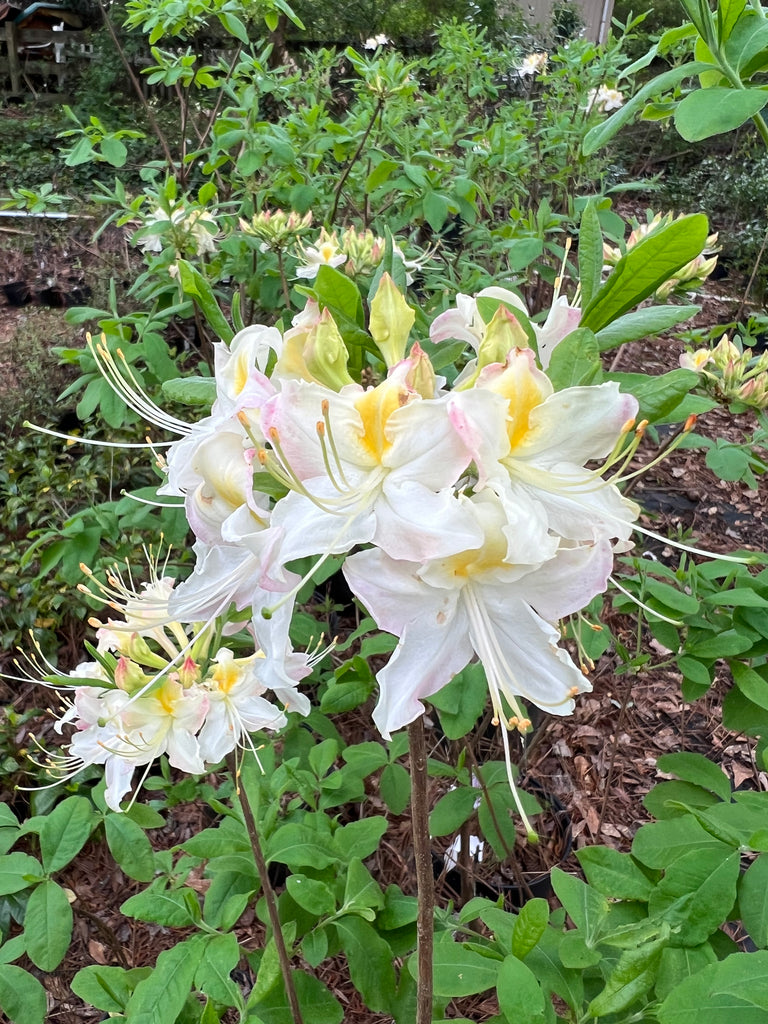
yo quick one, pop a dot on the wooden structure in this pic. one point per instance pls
(595, 14)
(38, 46)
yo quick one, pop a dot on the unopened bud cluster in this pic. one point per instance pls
(730, 373)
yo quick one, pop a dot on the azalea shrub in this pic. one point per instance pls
(426, 420)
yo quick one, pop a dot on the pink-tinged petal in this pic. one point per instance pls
(118, 774)
(561, 321)
(426, 658)
(577, 424)
(276, 670)
(394, 594)
(184, 752)
(479, 419)
(414, 523)
(451, 325)
(424, 445)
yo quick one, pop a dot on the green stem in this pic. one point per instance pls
(268, 891)
(351, 164)
(424, 878)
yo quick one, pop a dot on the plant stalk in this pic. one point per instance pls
(424, 878)
(268, 891)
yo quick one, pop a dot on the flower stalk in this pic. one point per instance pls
(267, 890)
(425, 881)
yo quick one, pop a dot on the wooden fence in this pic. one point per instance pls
(39, 63)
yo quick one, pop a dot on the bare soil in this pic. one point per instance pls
(599, 763)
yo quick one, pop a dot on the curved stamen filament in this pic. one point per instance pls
(641, 604)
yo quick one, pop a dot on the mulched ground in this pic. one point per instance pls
(599, 763)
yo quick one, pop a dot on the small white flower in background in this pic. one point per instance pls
(189, 231)
(604, 99)
(325, 251)
(533, 64)
(374, 42)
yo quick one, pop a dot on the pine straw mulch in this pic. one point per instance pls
(599, 763)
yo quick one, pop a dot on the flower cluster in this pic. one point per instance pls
(532, 64)
(604, 100)
(157, 686)
(189, 230)
(731, 374)
(687, 278)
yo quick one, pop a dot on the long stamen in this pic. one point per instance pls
(73, 439)
(648, 610)
(325, 407)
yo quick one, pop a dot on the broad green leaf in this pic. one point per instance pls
(232, 24)
(380, 174)
(585, 906)
(17, 872)
(575, 361)
(520, 997)
(370, 962)
(452, 810)
(108, 988)
(194, 391)
(399, 909)
(22, 997)
(670, 799)
(311, 894)
(544, 960)
(359, 838)
(459, 971)
(751, 684)
(160, 998)
(727, 16)
(671, 597)
(130, 847)
(753, 900)
(160, 906)
(714, 111)
(660, 843)
(221, 957)
(643, 268)
(630, 979)
(732, 991)
(727, 644)
(590, 253)
(602, 133)
(48, 926)
(697, 893)
(738, 597)
(114, 152)
(436, 208)
(529, 926)
(318, 1005)
(642, 323)
(298, 846)
(65, 832)
(314, 947)
(680, 962)
(748, 38)
(614, 874)
(395, 787)
(461, 702)
(697, 769)
(338, 293)
(362, 893)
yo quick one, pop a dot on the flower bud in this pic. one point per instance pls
(420, 375)
(325, 354)
(391, 321)
(128, 675)
(503, 333)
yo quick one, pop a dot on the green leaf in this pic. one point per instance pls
(108, 988)
(727, 644)
(644, 267)
(630, 979)
(748, 38)
(359, 838)
(369, 959)
(311, 895)
(22, 997)
(339, 293)
(221, 957)
(160, 906)
(65, 832)
(679, 963)
(48, 926)
(314, 947)
(459, 971)
(753, 900)
(521, 252)
(614, 874)
(586, 907)
(697, 893)
(696, 769)
(361, 890)
(193, 283)
(18, 871)
(232, 24)
(732, 990)
(520, 997)
(715, 111)
(670, 799)
(380, 174)
(598, 136)
(318, 1005)
(298, 847)
(130, 847)
(395, 787)
(461, 702)
(114, 152)
(160, 998)
(575, 361)
(436, 208)
(452, 810)
(738, 597)
(660, 843)
(590, 252)
(530, 925)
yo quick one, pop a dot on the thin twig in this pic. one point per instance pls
(268, 892)
(424, 877)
